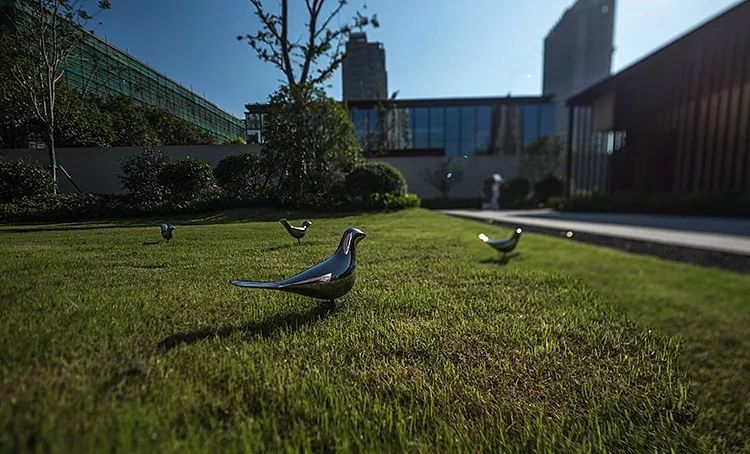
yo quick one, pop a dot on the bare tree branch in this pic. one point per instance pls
(322, 52)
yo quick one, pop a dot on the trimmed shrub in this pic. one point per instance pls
(549, 187)
(188, 179)
(20, 179)
(240, 175)
(140, 175)
(376, 202)
(236, 140)
(373, 177)
(514, 193)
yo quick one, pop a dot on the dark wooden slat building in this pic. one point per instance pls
(677, 121)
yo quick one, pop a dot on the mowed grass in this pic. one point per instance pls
(110, 344)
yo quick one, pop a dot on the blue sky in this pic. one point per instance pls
(434, 48)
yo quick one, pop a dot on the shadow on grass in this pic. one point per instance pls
(265, 328)
(501, 260)
(293, 245)
(229, 216)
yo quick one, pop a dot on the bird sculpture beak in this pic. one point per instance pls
(484, 237)
(518, 231)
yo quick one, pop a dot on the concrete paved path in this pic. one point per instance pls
(716, 235)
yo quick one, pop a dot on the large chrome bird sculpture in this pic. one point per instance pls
(167, 231)
(503, 246)
(296, 232)
(328, 280)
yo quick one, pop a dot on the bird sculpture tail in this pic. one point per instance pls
(253, 284)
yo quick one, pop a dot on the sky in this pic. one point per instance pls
(434, 48)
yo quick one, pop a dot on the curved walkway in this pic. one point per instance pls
(707, 241)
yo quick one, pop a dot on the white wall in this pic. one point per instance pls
(475, 170)
(96, 169)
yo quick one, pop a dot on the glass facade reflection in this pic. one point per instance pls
(452, 127)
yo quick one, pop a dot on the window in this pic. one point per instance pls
(484, 129)
(437, 128)
(452, 131)
(420, 127)
(547, 119)
(359, 118)
(530, 124)
(468, 130)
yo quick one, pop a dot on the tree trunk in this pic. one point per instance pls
(52, 157)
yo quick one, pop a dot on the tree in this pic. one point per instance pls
(443, 177)
(171, 130)
(85, 123)
(310, 145)
(542, 158)
(130, 123)
(46, 34)
(321, 52)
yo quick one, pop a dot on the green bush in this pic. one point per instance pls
(240, 175)
(373, 177)
(376, 202)
(141, 175)
(549, 187)
(236, 140)
(187, 179)
(19, 179)
(514, 193)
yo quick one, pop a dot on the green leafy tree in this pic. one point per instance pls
(310, 144)
(86, 123)
(542, 158)
(17, 124)
(314, 56)
(172, 130)
(130, 123)
(46, 34)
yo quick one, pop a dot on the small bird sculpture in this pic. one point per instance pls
(503, 246)
(167, 231)
(296, 232)
(328, 280)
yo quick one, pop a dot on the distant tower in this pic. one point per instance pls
(578, 53)
(363, 70)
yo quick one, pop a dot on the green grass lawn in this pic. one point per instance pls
(110, 343)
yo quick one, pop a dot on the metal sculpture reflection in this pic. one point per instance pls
(296, 232)
(503, 246)
(328, 280)
(167, 231)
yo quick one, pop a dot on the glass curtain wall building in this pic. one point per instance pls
(452, 127)
(101, 69)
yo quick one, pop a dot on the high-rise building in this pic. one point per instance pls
(363, 70)
(578, 53)
(104, 70)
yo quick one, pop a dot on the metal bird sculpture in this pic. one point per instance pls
(296, 232)
(167, 231)
(328, 280)
(503, 246)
